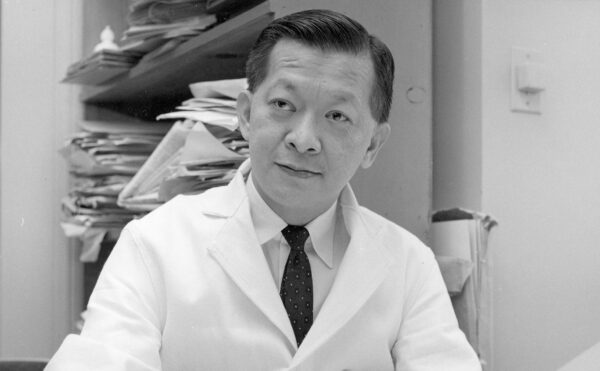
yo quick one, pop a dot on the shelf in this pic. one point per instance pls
(218, 53)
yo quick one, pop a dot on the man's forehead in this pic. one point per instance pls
(336, 93)
(294, 53)
(290, 59)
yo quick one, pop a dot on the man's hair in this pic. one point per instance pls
(328, 31)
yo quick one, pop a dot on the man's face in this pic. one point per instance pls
(309, 126)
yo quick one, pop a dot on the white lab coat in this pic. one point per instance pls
(188, 288)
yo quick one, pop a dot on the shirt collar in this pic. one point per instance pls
(268, 224)
(321, 231)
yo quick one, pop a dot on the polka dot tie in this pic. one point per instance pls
(296, 286)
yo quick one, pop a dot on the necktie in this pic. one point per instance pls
(296, 286)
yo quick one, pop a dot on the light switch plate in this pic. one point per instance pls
(520, 101)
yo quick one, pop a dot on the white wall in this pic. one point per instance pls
(540, 177)
(542, 181)
(457, 105)
(37, 114)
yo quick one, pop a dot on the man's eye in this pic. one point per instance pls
(282, 105)
(337, 116)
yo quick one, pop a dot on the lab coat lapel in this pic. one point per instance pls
(362, 270)
(237, 250)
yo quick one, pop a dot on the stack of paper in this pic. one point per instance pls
(95, 152)
(101, 67)
(103, 158)
(203, 149)
(158, 26)
(143, 12)
(213, 103)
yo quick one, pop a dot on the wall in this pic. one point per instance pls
(457, 105)
(36, 290)
(539, 178)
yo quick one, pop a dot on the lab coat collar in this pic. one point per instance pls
(237, 250)
(362, 270)
(225, 201)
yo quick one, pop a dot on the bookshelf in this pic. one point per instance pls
(157, 85)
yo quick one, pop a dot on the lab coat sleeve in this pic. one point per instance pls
(122, 329)
(429, 338)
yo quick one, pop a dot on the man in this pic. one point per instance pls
(281, 269)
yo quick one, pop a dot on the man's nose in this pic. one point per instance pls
(304, 136)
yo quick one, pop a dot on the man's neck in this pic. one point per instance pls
(297, 215)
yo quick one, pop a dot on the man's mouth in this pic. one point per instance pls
(297, 171)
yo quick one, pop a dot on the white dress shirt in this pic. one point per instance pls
(325, 247)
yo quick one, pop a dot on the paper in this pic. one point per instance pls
(202, 147)
(196, 23)
(190, 159)
(201, 150)
(210, 102)
(156, 168)
(214, 103)
(125, 127)
(106, 149)
(190, 184)
(209, 117)
(103, 158)
(101, 67)
(92, 241)
(90, 237)
(221, 88)
(160, 27)
(586, 361)
(451, 238)
(455, 272)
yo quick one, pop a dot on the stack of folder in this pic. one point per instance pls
(142, 12)
(103, 158)
(155, 28)
(101, 67)
(202, 150)
(158, 26)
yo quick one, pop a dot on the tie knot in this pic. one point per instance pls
(295, 236)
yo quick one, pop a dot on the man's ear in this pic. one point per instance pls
(243, 108)
(380, 135)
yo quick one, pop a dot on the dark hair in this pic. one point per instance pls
(329, 31)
